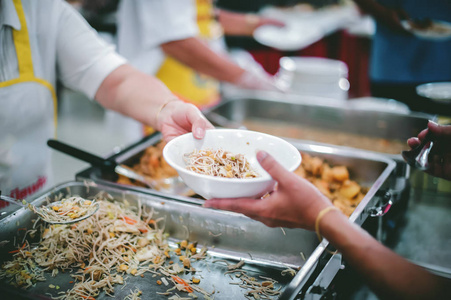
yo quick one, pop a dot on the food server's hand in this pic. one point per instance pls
(146, 99)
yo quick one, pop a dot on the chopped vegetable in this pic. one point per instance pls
(182, 282)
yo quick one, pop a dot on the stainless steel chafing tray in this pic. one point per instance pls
(298, 112)
(319, 113)
(367, 168)
(234, 237)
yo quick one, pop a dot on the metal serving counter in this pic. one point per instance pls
(265, 251)
(268, 251)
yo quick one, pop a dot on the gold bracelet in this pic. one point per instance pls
(161, 108)
(319, 217)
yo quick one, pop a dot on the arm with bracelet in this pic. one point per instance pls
(298, 204)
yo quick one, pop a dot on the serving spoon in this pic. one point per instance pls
(38, 210)
(173, 185)
(419, 156)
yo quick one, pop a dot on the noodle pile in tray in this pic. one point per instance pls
(118, 241)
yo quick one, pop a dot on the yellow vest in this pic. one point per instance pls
(185, 82)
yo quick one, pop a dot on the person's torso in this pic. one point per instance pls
(186, 83)
(27, 101)
(399, 58)
(142, 29)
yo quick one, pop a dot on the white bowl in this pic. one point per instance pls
(238, 142)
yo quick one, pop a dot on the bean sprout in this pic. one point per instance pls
(104, 248)
(219, 163)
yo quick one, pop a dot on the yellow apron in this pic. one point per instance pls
(186, 83)
(28, 119)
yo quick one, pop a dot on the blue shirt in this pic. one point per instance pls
(407, 59)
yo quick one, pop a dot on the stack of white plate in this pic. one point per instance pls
(315, 76)
(437, 91)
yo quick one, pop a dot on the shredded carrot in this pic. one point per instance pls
(17, 250)
(71, 281)
(143, 230)
(129, 220)
(23, 228)
(88, 297)
(131, 248)
(181, 281)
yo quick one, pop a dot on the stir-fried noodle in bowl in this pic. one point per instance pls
(219, 163)
(231, 143)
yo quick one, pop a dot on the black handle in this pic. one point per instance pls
(82, 155)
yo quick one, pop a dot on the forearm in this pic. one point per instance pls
(388, 274)
(237, 24)
(195, 54)
(134, 94)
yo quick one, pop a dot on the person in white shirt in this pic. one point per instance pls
(41, 41)
(181, 43)
(151, 30)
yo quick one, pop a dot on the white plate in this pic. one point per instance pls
(287, 38)
(439, 91)
(440, 30)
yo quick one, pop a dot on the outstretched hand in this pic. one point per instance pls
(440, 156)
(295, 202)
(240, 24)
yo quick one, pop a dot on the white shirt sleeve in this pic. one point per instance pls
(164, 21)
(84, 60)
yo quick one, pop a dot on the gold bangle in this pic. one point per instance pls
(319, 217)
(162, 106)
